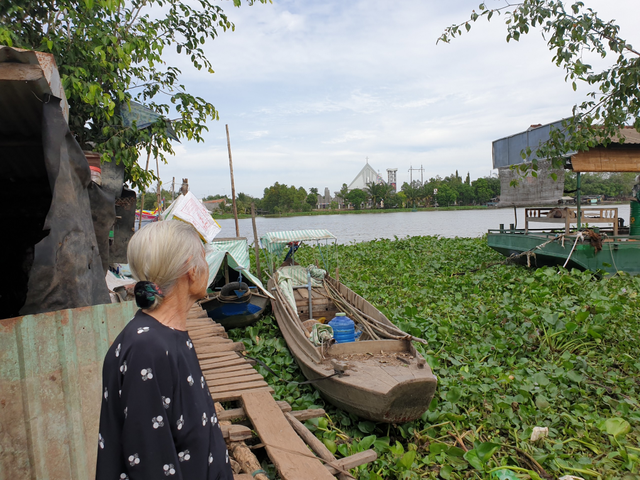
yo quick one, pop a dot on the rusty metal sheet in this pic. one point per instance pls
(50, 390)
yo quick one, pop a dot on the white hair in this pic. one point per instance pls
(162, 252)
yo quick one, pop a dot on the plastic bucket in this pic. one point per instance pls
(634, 220)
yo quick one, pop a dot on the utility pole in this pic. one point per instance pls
(173, 189)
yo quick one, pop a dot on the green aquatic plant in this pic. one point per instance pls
(513, 349)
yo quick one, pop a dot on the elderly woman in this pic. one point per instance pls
(158, 418)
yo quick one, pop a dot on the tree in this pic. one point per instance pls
(312, 199)
(613, 92)
(357, 197)
(280, 198)
(483, 191)
(110, 52)
(412, 193)
(378, 192)
(343, 194)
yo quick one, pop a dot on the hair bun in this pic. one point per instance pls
(147, 294)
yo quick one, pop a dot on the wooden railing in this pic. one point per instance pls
(569, 216)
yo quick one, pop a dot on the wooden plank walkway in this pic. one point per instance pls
(231, 377)
(226, 371)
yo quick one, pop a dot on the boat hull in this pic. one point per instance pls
(243, 315)
(619, 253)
(377, 385)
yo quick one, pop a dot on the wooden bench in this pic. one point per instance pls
(588, 215)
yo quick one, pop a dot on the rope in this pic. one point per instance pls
(253, 474)
(578, 237)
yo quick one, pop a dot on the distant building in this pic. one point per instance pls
(365, 176)
(391, 172)
(324, 201)
(212, 205)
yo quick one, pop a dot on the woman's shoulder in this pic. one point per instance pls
(144, 336)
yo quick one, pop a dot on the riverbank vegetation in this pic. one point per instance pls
(513, 349)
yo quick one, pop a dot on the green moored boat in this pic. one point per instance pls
(606, 245)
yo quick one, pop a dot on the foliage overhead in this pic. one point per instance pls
(110, 52)
(573, 34)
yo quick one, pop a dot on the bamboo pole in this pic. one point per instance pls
(233, 185)
(256, 245)
(146, 169)
(316, 445)
(241, 453)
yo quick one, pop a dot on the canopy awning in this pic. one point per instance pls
(275, 242)
(237, 252)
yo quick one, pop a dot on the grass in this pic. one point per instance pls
(512, 348)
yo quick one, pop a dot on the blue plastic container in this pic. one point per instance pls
(344, 329)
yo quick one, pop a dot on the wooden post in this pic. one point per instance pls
(173, 189)
(256, 245)
(159, 192)
(233, 186)
(146, 169)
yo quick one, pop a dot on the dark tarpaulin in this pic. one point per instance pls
(67, 270)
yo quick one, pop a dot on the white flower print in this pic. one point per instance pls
(134, 460)
(147, 374)
(106, 394)
(190, 380)
(120, 393)
(189, 344)
(210, 458)
(100, 441)
(124, 476)
(143, 330)
(157, 421)
(204, 419)
(202, 382)
(123, 367)
(184, 456)
(226, 456)
(180, 422)
(166, 402)
(118, 349)
(214, 419)
(169, 469)
(125, 411)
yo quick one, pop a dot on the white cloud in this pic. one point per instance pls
(310, 89)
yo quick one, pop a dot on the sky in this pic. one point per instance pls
(311, 90)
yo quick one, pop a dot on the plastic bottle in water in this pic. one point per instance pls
(343, 328)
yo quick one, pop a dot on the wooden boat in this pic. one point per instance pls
(384, 380)
(234, 314)
(229, 263)
(601, 247)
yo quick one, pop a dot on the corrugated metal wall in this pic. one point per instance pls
(50, 390)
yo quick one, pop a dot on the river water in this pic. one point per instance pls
(364, 227)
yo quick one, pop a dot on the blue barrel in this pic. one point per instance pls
(344, 329)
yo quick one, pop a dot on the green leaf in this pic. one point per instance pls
(454, 394)
(574, 376)
(617, 426)
(541, 379)
(486, 450)
(366, 442)
(366, 426)
(331, 445)
(472, 457)
(446, 471)
(407, 459)
(582, 316)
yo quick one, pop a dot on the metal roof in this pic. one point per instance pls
(27, 79)
(51, 384)
(506, 151)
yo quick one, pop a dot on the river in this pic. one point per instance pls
(364, 227)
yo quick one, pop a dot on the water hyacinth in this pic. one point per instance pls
(513, 349)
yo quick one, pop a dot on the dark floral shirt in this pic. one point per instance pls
(158, 419)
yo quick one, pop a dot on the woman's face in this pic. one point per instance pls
(202, 279)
